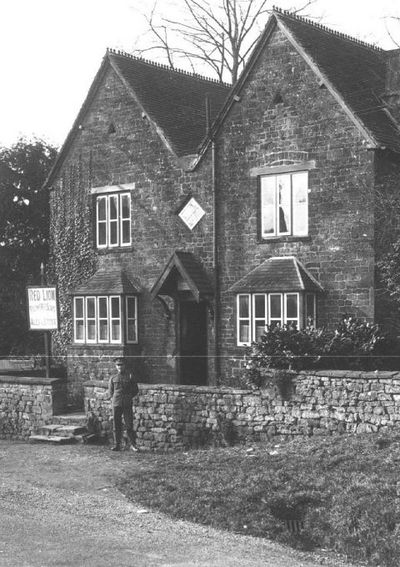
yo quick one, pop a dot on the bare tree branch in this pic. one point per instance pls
(219, 35)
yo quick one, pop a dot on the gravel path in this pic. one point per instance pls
(59, 507)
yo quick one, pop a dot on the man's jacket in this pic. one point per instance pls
(122, 389)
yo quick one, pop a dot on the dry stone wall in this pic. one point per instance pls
(28, 403)
(170, 417)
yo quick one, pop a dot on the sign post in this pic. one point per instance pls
(43, 312)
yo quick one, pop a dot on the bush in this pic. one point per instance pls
(354, 344)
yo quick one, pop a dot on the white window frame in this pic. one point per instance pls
(87, 319)
(119, 319)
(300, 297)
(76, 340)
(103, 341)
(241, 319)
(291, 220)
(122, 319)
(128, 319)
(256, 319)
(119, 221)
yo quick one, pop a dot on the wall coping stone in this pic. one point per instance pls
(30, 380)
(353, 374)
(171, 387)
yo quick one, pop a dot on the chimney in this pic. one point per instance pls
(392, 82)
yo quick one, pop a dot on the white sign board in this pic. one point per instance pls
(191, 213)
(42, 308)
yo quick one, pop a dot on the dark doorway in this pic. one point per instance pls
(192, 343)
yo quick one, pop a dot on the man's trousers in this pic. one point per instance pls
(127, 412)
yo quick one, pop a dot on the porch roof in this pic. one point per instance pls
(190, 270)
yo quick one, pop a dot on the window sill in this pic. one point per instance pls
(272, 239)
(107, 346)
(117, 249)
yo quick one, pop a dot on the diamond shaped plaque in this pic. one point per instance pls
(191, 213)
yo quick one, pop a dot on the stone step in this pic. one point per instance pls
(75, 418)
(58, 430)
(55, 440)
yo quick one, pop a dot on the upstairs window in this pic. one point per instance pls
(113, 220)
(284, 204)
(105, 319)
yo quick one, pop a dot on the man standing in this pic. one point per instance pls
(122, 389)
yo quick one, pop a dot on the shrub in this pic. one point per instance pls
(355, 344)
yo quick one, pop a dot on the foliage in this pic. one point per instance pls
(218, 34)
(342, 491)
(354, 344)
(24, 232)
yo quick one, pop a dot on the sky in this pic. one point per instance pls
(50, 51)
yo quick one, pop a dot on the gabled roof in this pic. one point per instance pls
(108, 283)
(186, 266)
(352, 70)
(174, 100)
(280, 274)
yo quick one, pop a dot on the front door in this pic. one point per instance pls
(192, 337)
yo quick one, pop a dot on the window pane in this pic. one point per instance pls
(268, 205)
(259, 306)
(276, 308)
(78, 307)
(113, 207)
(79, 328)
(103, 330)
(259, 330)
(102, 234)
(115, 311)
(115, 331)
(103, 310)
(126, 232)
(132, 331)
(300, 203)
(125, 206)
(90, 306)
(113, 233)
(131, 307)
(244, 332)
(283, 182)
(101, 209)
(243, 306)
(91, 329)
(291, 306)
(310, 309)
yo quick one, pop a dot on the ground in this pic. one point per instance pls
(59, 507)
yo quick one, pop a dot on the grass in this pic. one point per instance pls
(340, 492)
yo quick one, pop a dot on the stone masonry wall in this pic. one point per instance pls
(28, 403)
(321, 403)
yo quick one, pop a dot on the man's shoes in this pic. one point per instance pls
(116, 448)
(134, 448)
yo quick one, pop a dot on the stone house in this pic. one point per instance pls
(187, 214)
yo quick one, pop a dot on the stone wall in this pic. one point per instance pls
(171, 417)
(28, 403)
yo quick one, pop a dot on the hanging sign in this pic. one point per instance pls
(42, 308)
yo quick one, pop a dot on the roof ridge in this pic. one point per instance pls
(167, 67)
(327, 29)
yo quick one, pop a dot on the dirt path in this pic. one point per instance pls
(59, 507)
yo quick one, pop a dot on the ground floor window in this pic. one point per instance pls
(256, 311)
(102, 319)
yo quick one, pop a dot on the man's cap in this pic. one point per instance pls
(119, 360)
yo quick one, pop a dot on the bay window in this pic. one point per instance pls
(105, 319)
(257, 311)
